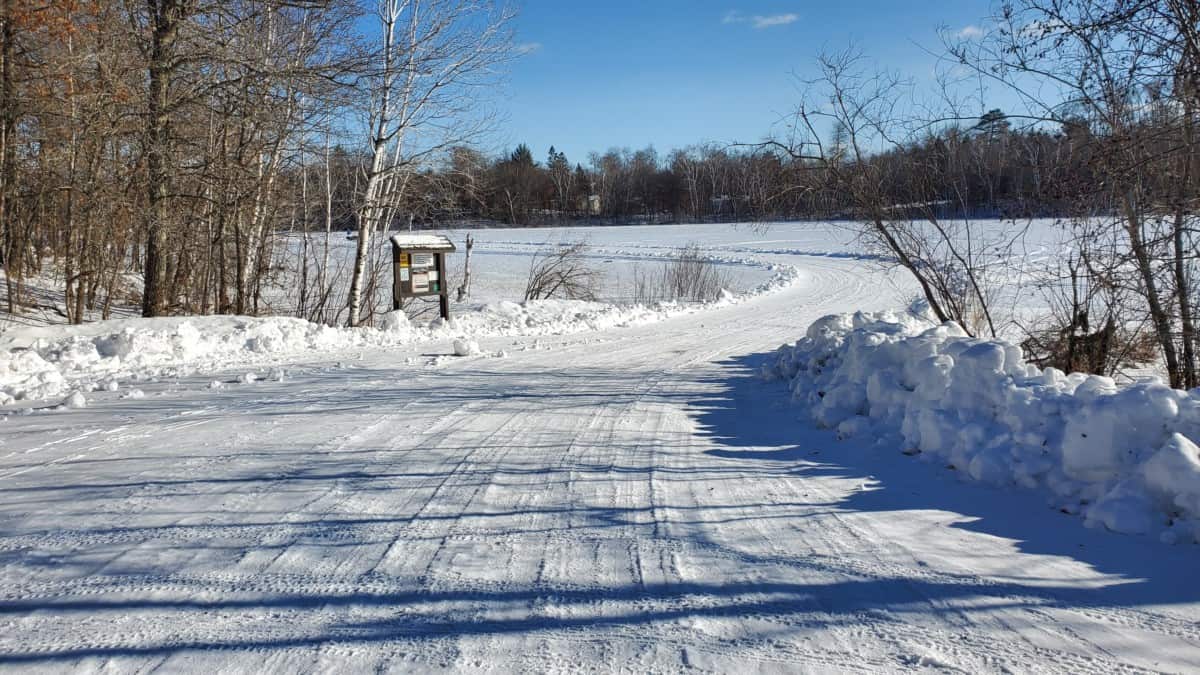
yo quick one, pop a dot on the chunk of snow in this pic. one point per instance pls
(463, 347)
(1172, 475)
(396, 322)
(1125, 509)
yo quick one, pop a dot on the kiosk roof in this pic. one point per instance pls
(422, 242)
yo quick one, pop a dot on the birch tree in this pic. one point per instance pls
(434, 61)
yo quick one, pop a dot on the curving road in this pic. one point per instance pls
(634, 500)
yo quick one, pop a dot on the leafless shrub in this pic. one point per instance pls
(1094, 324)
(688, 276)
(644, 286)
(1076, 348)
(562, 272)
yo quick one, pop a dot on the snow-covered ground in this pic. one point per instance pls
(38, 363)
(631, 496)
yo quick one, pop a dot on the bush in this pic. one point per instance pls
(562, 272)
(688, 277)
(1075, 348)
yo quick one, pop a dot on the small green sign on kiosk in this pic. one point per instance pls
(419, 268)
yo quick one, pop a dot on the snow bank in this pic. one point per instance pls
(1123, 457)
(49, 362)
(42, 363)
(560, 317)
(555, 317)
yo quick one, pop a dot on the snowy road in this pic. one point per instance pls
(631, 500)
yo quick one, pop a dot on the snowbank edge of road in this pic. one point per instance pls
(39, 364)
(1123, 457)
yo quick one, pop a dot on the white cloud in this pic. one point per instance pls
(529, 48)
(759, 21)
(971, 32)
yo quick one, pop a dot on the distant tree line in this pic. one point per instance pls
(986, 167)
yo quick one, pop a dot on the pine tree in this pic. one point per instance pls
(522, 156)
(993, 123)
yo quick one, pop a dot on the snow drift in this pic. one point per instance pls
(48, 362)
(42, 363)
(1123, 457)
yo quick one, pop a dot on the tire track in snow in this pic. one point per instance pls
(575, 520)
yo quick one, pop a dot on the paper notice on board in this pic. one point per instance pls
(403, 274)
(420, 282)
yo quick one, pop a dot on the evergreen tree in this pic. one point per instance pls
(993, 123)
(522, 156)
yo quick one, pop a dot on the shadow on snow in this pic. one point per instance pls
(747, 433)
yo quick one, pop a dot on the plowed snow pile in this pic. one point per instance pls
(47, 362)
(1124, 457)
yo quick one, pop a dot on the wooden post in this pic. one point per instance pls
(443, 292)
(396, 290)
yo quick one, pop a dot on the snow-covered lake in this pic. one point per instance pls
(747, 254)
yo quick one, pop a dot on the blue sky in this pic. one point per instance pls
(674, 72)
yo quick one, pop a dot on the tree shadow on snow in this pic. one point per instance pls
(751, 439)
(754, 421)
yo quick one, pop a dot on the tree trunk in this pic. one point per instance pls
(464, 290)
(370, 212)
(8, 129)
(1183, 288)
(1158, 313)
(165, 17)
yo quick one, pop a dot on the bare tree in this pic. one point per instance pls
(8, 132)
(1124, 77)
(863, 106)
(434, 60)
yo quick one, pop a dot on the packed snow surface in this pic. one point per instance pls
(626, 497)
(1124, 457)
